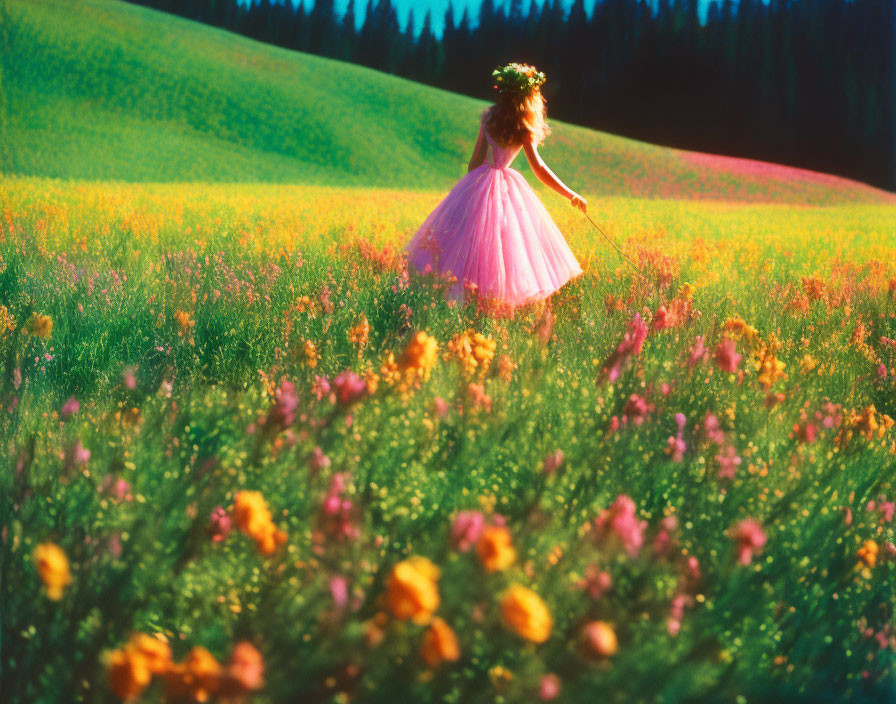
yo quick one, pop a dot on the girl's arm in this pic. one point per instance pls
(547, 177)
(479, 151)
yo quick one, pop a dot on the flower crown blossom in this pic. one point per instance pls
(517, 78)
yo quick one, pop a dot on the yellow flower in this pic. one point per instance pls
(185, 321)
(359, 334)
(39, 325)
(495, 548)
(474, 350)
(311, 354)
(439, 643)
(128, 673)
(412, 592)
(526, 614)
(52, 565)
(770, 370)
(686, 292)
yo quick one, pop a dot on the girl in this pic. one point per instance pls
(491, 230)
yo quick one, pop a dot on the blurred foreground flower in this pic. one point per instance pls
(495, 548)
(39, 326)
(439, 644)
(600, 639)
(52, 565)
(526, 614)
(252, 516)
(412, 592)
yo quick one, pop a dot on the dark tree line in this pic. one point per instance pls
(805, 82)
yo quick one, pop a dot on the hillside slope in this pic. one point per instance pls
(104, 90)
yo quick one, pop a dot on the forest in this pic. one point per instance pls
(809, 83)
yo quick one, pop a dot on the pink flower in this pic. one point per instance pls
(631, 345)
(596, 583)
(320, 387)
(339, 590)
(728, 463)
(636, 409)
(697, 352)
(440, 407)
(553, 462)
(466, 529)
(115, 488)
(283, 413)
(712, 429)
(550, 687)
(660, 319)
(79, 455)
(70, 407)
(337, 511)
(318, 461)
(349, 387)
(620, 520)
(882, 371)
(676, 446)
(750, 538)
(219, 524)
(662, 543)
(130, 381)
(726, 355)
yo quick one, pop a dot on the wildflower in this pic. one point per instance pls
(52, 566)
(244, 671)
(728, 463)
(219, 524)
(750, 538)
(130, 669)
(39, 326)
(349, 387)
(495, 548)
(479, 397)
(596, 583)
(676, 446)
(662, 542)
(318, 461)
(320, 387)
(282, 413)
(252, 516)
(620, 520)
(526, 614)
(712, 429)
(636, 409)
(553, 462)
(197, 678)
(185, 321)
(420, 356)
(338, 511)
(439, 407)
(339, 590)
(466, 529)
(697, 352)
(739, 329)
(70, 407)
(128, 673)
(867, 554)
(116, 488)
(359, 333)
(506, 365)
(549, 688)
(411, 590)
(439, 644)
(600, 639)
(631, 345)
(726, 356)
(770, 370)
(312, 356)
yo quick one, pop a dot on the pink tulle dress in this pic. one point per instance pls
(491, 230)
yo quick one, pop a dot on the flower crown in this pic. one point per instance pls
(517, 78)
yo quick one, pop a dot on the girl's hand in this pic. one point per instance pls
(579, 202)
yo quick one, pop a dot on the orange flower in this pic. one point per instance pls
(439, 644)
(128, 673)
(131, 668)
(244, 671)
(526, 614)
(412, 591)
(252, 516)
(39, 325)
(868, 553)
(495, 548)
(420, 356)
(311, 354)
(52, 565)
(770, 370)
(600, 639)
(195, 679)
(359, 334)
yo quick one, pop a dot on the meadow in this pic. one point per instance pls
(710, 481)
(249, 458)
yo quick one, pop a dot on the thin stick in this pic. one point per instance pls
(617, 248)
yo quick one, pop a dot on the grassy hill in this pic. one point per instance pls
(103, 90)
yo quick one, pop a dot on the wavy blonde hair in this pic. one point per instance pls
(517, 118)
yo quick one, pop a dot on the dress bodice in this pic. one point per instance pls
(499, 157)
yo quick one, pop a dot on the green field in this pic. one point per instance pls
(200, 243)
